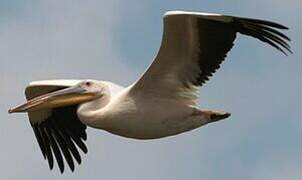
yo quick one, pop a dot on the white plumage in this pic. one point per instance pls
(163, 102)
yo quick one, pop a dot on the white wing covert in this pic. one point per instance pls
(193, 47)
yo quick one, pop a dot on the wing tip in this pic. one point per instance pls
(266, 31)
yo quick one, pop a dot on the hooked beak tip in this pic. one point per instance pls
(13, 110)
(10, 111)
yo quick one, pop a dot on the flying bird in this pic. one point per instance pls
(161, 103)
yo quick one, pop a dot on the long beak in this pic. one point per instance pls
(65, 97)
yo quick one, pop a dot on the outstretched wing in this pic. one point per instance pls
(59, 132)
(193, 47)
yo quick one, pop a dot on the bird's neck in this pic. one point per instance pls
(91, 113)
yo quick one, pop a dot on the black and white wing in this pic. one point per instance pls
(193, 47)
(58, 131)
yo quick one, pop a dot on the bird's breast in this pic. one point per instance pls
(145, 120)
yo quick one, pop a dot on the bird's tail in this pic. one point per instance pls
(216, 115)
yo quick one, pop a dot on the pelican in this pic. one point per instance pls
(161, 103)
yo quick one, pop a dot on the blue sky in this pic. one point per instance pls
(116, 40)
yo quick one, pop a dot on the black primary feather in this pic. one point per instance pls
(216, 40)
(61, 134)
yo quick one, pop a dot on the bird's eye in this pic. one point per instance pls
(88, 83)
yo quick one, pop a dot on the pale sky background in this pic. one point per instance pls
(116, 40)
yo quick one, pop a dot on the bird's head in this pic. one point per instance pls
(85, 91)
